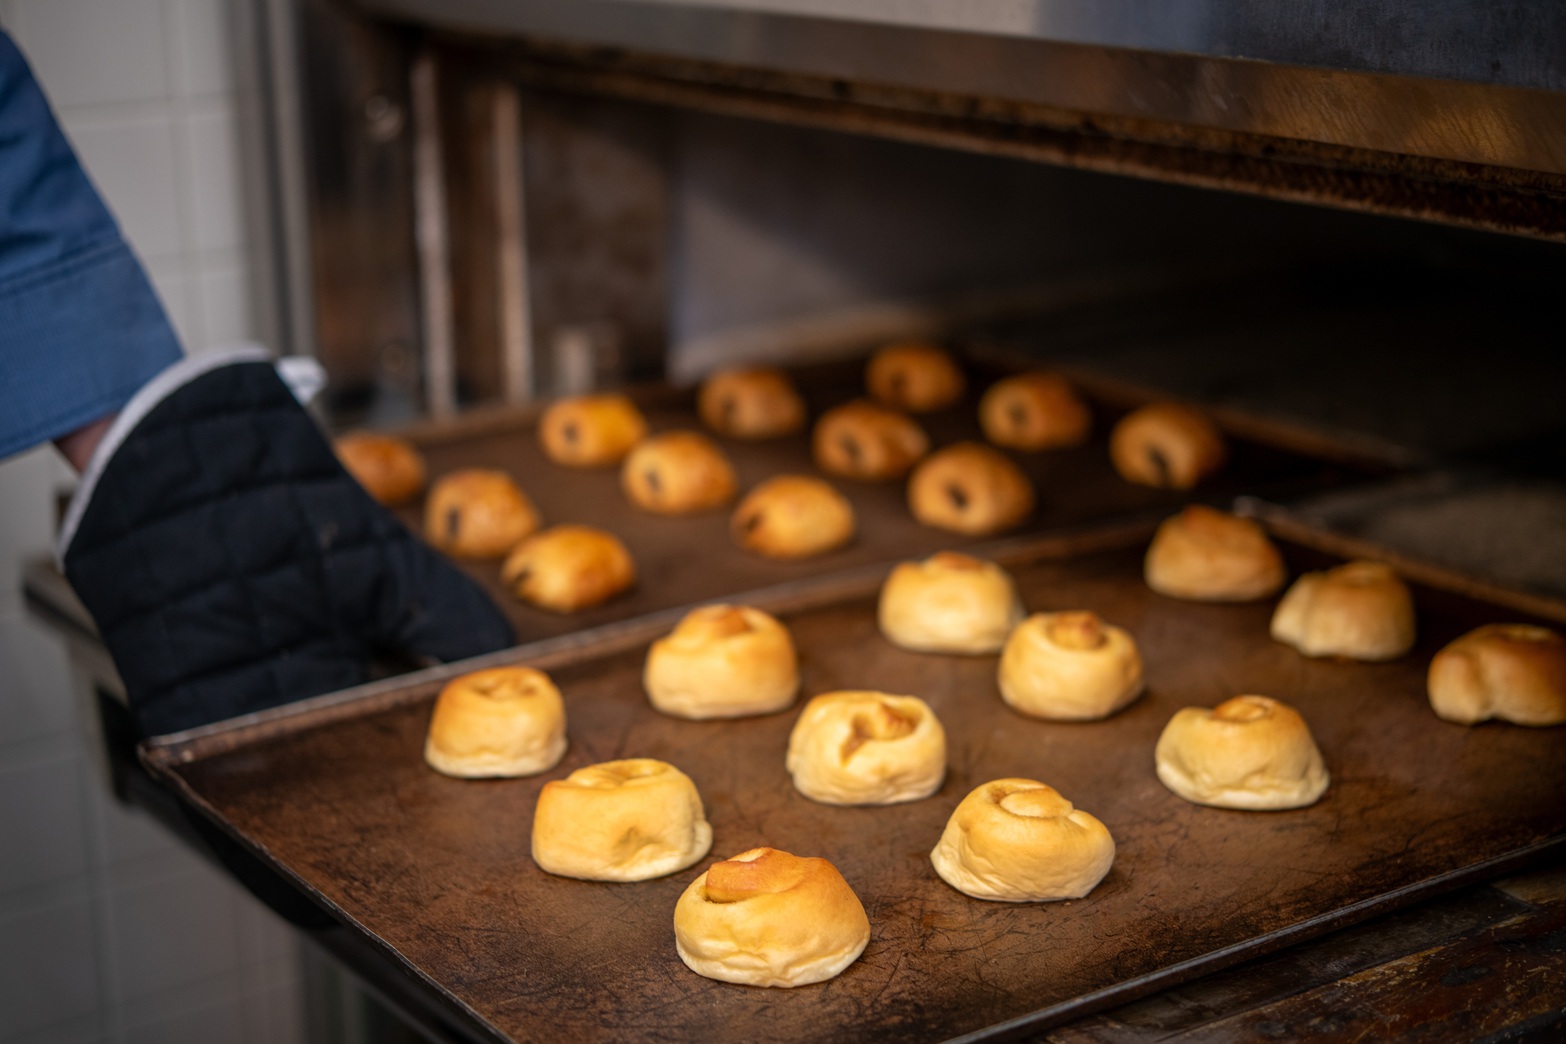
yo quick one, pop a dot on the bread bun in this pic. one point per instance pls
(970, 488)
(949, 603)
(1019, 841)
(1034, 411)
(625, 820)
(1359, 610)
(750, 404)
(861, 440)
(768, 918)
(505, 721)
(915, 377)
(1515, 672)
(866, 748)
(792, 516)
(678, 473)
(477, 513)
(722, 661)
(388, 468)
(590, 431)
(1166, 445)
(1211, 556)
(1069, 666)
(1250, 752)
(568, 568)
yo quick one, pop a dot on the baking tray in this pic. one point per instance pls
(436, 871)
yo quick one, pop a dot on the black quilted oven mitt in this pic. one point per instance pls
(232, 564)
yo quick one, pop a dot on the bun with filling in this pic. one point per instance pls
(1069, 666)
(678, 473)
(792, 516)
(915, 377)
(971, 489)
(949, 603)
(505, 721)
(1360, 611)
(388, 468)
(568, 568)
(477, 513)
(861, 440)
(590, 431)
(723, 661)
(1034, 411)
(1250, 752)
(757, 403)
(628, 820)
(1166, 445)
(1211, 556)
(1514, 672)
(866, 748)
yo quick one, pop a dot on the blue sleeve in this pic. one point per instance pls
(80, 326)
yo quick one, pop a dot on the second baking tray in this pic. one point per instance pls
(437, 872)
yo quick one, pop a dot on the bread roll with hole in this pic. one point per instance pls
(949, 603)
(860, 440)
(478, 513)
(388, 468)
(1069, 666)
(1250, 752)
(1360, 611)
(768, 918)
(1033, 412)
(971, 489)
(759, 403)
(628, 820)
(1167, 446)
(569, 568)
(914, 376)
(1020, 841)
(505, 721)
(792, 516)
(722, 661)
(590, 431)
(1212, 556)
(866, 748)
(1511, 671)
(678, 473)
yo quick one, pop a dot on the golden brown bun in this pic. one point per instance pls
(1166, 445)
(861, 440)
(590, 431)
(388, 468)
(1211, 556)
(1019, 841)
(1359, 610)
(949, 603)
(1515, 672)
(768, 918)
(970, 488)
(915, 377)
(505, 721)
(792, 516)
(1034, 411)
(722, 661)
(866, 748)
(620, 821)
(1250, 752)
(678, 473)
(476, 513)
(750, 404)
(1069, 667)
(567, 568)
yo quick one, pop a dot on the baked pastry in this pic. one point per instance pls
(625, 820)
(1515, 672)
(768, 918)
(590, 431)
(477, 513)
(1019, 841)
(750, 404)
(567, 568)
(1166, 445)
(949, 603)
(1069, 666)
(1359, 610)
(678, 473)
(861, 440)
(970, 488)
(914, 376)
(792, 516)
(1211, 556)
(722, 661)
(866, 748)
(504, 721)
(1250, 752)
(388, 468)
(1034, 411)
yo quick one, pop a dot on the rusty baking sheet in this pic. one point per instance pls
(437, 871)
